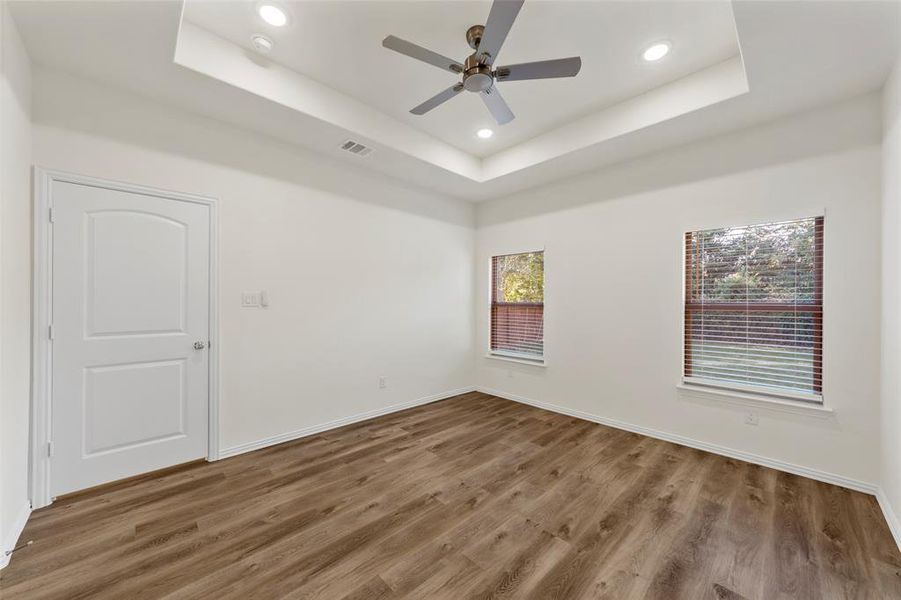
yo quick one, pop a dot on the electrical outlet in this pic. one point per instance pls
(383, 382)
(752, 419)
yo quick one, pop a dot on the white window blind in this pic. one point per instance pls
(754, 307)
(517, 305)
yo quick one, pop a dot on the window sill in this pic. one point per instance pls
(515, 359)
(756, 400)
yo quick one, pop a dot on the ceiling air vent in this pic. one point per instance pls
(356, 148)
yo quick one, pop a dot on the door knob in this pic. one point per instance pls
(199, 345)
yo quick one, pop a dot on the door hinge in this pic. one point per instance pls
(50, 214)
(49, 449)
(50, 332)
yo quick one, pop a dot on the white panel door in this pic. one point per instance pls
(130, 299)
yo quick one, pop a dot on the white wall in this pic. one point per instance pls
(891, 296)
(15, 279)
(613, 268)
(365, 277)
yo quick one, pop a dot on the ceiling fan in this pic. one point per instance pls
(479, 73)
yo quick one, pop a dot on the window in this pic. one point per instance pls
(517, 305)
(754, 308)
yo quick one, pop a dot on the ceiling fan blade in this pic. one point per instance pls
(542, 69)
(419, 53)
(497, 106)
(437, 99)
(500, 20)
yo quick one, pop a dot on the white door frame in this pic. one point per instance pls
(42, 281)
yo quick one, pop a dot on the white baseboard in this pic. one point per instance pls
(890, 516)
(12, 538)
(314, 429)
(824, 476)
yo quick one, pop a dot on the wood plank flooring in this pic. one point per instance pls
(471, 497)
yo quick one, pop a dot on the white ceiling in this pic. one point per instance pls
(338, 43)
(797, 56)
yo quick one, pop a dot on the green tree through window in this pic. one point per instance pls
(521, 277)
(754, 305)
(517, 305)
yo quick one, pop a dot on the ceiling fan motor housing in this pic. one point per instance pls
(477, 77)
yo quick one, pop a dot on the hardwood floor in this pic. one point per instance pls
(471, 497)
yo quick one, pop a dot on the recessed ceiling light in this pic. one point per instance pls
(656, 51)
(272, 14)
(261, 43)
(484, 133)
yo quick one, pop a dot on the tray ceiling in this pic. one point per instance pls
(794, 56)
(338, 44)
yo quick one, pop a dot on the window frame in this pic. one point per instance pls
(521, 358)
(813, 400)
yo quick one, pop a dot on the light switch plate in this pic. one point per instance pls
(250, 299)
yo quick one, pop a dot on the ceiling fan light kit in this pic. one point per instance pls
(479, 75)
